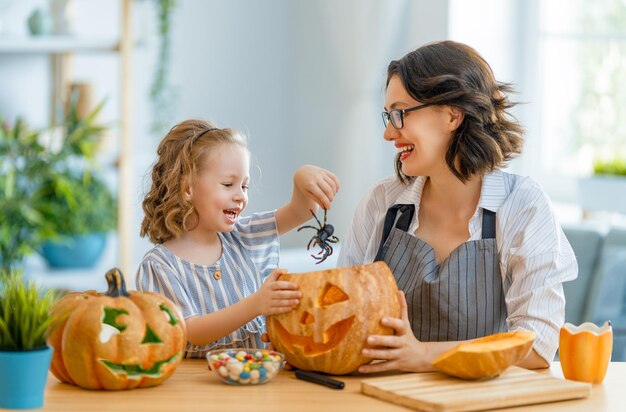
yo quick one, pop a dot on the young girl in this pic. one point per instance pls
(220, 268)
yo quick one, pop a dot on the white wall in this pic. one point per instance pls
(304, 80)
(24, 78)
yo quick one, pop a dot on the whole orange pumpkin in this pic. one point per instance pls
(116, 340)
(338, 310)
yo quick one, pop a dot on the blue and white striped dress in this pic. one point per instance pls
(249, 254)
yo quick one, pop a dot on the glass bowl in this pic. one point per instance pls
(244, 366)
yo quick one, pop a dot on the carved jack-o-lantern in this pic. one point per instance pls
(338, 310)
(116, 340)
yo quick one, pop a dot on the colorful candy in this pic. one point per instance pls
(237, 366)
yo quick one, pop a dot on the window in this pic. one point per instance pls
(582, 75)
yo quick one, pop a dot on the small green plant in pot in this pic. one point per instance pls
(605, 190)
(24, 354)
(611, 167)
(80, 207)
(82, 210)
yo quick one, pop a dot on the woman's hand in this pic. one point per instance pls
(276, 296)
(316, 184)
(403, 351)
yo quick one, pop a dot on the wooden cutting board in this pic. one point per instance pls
(434, 391)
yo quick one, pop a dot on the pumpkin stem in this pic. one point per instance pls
(117, 285)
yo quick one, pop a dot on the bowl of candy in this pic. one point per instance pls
(243, 366)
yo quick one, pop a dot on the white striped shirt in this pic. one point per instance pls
(535, 256)
(249, 254)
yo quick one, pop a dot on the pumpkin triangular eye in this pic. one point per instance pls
(332, 294)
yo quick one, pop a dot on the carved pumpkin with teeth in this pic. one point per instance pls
(338, 310)
(116, 340)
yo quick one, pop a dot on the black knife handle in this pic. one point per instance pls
(319, 379)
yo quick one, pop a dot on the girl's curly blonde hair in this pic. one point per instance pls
(180, 157)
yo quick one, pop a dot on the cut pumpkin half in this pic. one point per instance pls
(485, 357)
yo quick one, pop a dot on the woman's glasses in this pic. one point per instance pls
(396, 116)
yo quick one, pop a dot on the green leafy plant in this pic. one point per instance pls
(76, 199)
(615, 166)
(77, 204)
(49, 190)
(24, 313)
(82, 134)
(23, 164)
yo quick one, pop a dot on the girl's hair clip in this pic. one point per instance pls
(195, 139)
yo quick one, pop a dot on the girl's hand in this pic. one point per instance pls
(316, 184)
(265, 338)
(403, 351)
(312, 186)
(276, 296)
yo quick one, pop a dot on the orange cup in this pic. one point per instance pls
(585, 351)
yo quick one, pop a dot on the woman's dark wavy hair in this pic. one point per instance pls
(453, 74)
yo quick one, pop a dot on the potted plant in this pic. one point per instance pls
(24, 354)
(82, 210)
(79, 205)
(606, 189)
(23, 163)
(612, 167)
(49, 188)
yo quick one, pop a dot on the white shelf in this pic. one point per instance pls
(60, 50)
(56, 44)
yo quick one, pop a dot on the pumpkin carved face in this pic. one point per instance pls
(338, 310)
(117, 340)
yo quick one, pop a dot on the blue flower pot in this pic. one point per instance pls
(79, 251)
(23, 377)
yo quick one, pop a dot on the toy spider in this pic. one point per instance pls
(322, 238)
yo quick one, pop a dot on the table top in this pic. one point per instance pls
(194, 388)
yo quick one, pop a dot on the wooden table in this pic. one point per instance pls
(194, 388)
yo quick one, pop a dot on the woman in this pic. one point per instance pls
(475, 250)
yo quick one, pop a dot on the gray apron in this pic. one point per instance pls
(459, 299)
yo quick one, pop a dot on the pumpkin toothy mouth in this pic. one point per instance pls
(136, 371)
(332, 337)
